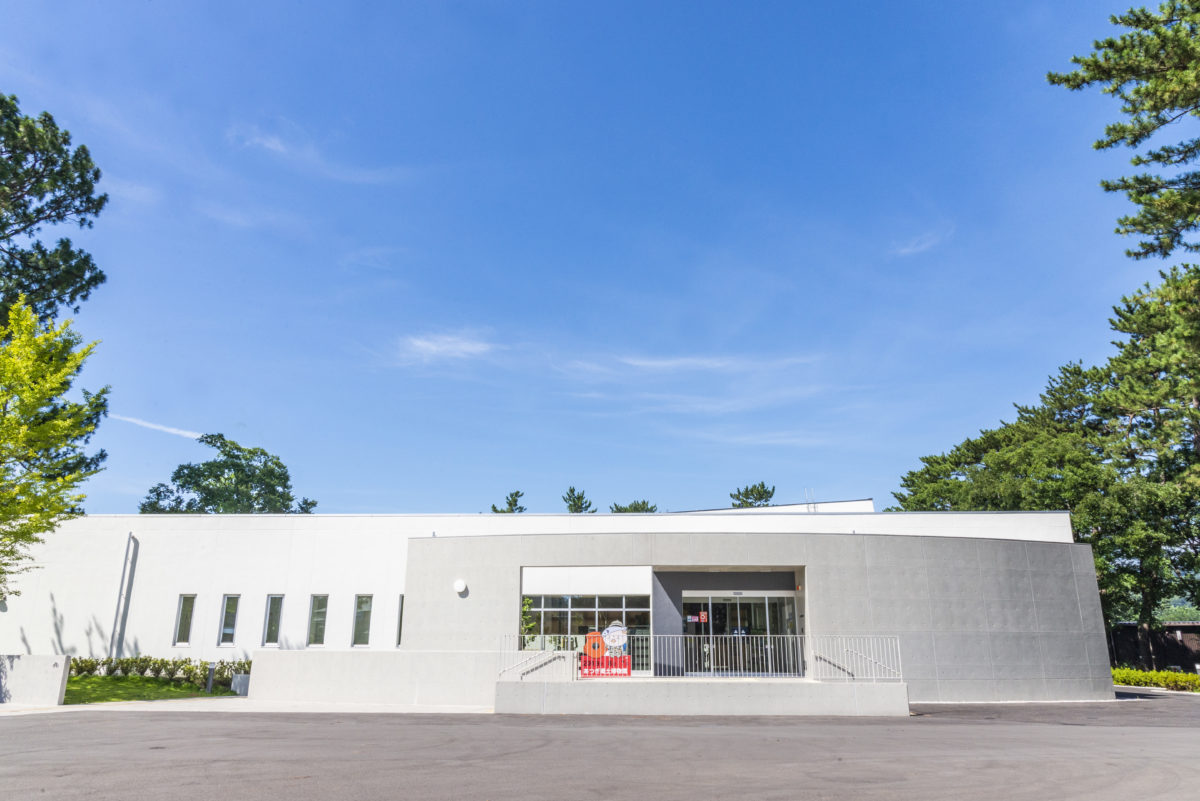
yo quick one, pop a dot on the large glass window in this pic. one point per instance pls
(183, 619)
(229, 606)
(557, 615)
(274, 615)
(316, 619)
(362, 620)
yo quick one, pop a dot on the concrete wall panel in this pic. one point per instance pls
(33, 680)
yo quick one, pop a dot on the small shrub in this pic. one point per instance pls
(183, 670)
(1167, 679)
(225, 670)
(177, 667)
(84, 666)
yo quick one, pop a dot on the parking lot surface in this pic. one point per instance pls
(1134, 749)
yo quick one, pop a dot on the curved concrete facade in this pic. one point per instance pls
(978, 620)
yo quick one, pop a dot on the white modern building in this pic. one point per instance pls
(818, 608)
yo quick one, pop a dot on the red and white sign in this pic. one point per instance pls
(599, 667)
(703, 617)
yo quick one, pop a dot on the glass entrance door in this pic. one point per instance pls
(740, 633)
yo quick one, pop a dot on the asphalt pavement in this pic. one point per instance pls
(1142, 748)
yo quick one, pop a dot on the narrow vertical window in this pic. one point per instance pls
(228, 619)
(316, 619)
(400, 622)
(183, 619)
(362, 620)
(274, 614)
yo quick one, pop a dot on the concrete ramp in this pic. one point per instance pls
(687, 696)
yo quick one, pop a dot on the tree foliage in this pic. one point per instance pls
(1151, 68)
(239, 481)
(577, 503)
(42, 433)
(753, 495)
(1178, 613)
(1117, 445)
(44, 182)
(642, 507)
(512, 504)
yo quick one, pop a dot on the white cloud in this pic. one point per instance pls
(371, 258)
(791, 439)
(922, 243)
(711, 363)
(297, 150)
(676, 362)
(247, 217)
(427, 348)
(130, 191)
(739, 399)
(179, 432)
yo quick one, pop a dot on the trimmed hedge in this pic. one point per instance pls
(1167, 679)
(191, 671)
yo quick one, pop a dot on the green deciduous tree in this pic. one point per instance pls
(239, 481)
(42, 433)
(1151, 68)
(512, 504)
(644, 507)
(1177, 612)
(44, 182)
(577, 503)
(1118, 446)
(754, 495)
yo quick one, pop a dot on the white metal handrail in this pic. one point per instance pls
(856, 657)
(821, 657)
(519, 662)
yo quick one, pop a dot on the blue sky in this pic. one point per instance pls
(430, 253)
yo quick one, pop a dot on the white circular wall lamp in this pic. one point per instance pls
(460, 586)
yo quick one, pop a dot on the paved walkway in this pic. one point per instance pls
(234, 704)
(1134, 749)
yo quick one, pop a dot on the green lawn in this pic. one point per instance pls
(98, 689)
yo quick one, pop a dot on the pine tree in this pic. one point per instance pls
(1151, 68)
(752, 495)
(512, 504)
(643, 507)
(577, 503)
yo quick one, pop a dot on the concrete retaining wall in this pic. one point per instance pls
(700, 697)
(403, 678)
(35, 680)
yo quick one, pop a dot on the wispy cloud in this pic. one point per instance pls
(925, 242)
(730, 401)
(247, 217)
(298, 150)
(179, 432)
(710, 363)
(428, 348)
(789, 439)
(371, 258)
(130, 191)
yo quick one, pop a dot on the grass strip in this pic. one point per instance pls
(102, 689)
